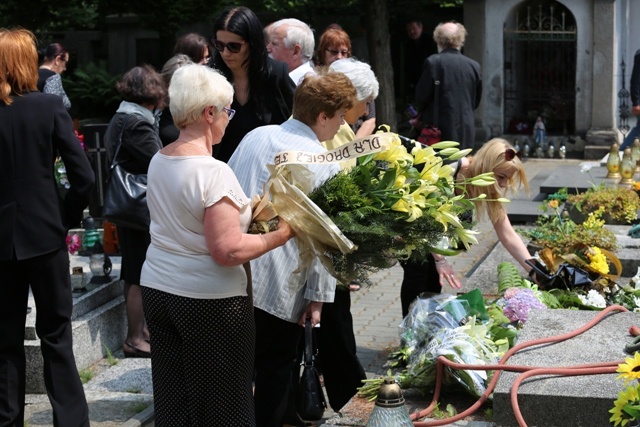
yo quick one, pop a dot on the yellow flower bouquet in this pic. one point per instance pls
(397, 203)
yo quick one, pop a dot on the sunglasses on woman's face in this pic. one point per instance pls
(510, 154)
(233, 47)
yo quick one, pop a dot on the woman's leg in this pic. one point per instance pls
(50, 283)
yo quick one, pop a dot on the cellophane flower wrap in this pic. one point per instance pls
(394, 204)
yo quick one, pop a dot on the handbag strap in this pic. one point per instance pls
(436, 93)
(114, 163)
(308, 343)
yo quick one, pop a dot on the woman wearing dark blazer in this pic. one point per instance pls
(34, 219)
(143, 91)
(263, 90)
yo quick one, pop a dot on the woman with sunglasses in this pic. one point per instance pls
(497, 156)
(54, 60)
(263, 90)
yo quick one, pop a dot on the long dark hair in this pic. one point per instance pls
(243, 22)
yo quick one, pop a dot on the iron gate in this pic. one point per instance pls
(540, 68)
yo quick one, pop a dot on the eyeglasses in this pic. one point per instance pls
(233, 47)
(230, 111)
(337, 52)
(510, 154)
(205, 61)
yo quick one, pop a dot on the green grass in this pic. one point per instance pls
(488, 413)
(86, 375)
(134, 390)
(139, 407)
(110, 358)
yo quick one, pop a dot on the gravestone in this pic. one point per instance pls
(559, 401)
(575, 181)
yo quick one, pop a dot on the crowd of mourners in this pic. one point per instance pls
(219, 311)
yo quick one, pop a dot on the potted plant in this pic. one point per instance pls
(619, 205)
(557, 231)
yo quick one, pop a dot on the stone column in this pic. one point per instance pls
(603, 130)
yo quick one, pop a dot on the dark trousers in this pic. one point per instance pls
(276, 355)
(201, 359)
(341, 369)
(48, 276)
(418, 278)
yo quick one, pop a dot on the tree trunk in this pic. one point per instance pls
(380, 57)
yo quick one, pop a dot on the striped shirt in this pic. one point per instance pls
(277, 287)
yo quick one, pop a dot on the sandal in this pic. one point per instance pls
(135, 352)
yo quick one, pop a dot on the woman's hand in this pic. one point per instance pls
(285, 229)
(445, 272)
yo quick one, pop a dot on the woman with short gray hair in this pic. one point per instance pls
(196, 281)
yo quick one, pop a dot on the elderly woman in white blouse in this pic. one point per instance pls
(196, 278)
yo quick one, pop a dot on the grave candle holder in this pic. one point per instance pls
(627, 168)
(613, 162)
(635, 153)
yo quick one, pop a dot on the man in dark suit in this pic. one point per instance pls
(460, 87)
(417, 48)
(34, 220)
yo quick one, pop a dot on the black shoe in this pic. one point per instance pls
(135, 352)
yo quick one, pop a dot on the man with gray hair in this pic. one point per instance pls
(291, 41)
(459, 82)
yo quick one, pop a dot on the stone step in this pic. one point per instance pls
(595, 152)
(98, 323)
(559, 401)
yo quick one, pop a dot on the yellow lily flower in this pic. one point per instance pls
(396, 154)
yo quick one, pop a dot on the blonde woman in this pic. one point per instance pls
(497, 156)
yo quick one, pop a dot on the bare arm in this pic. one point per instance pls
(367, 128)
(226, 242)
(512, 241)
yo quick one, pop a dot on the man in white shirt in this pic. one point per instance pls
(283, 297)
(291, 41)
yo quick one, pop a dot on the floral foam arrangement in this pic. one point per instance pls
(397, 203)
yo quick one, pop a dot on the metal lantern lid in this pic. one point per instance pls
(390, 394)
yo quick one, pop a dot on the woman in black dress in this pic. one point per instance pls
(263, 90)
(143, 91)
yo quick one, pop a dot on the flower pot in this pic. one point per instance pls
(574, 214)
(533, 247)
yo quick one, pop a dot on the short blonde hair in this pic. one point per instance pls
(195, 87)
(491, 158)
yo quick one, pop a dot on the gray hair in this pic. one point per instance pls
(172, 64)
(297, 33)
(361, 76)
(195, 87)
(450, 35)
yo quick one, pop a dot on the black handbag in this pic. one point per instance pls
(310, 401)
(125, 200)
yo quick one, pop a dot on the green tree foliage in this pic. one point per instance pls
(43, 17)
